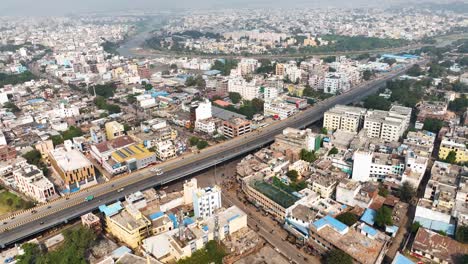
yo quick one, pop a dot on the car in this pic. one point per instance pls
(33, 211)
(41, 223)
(48, 207)
(120, 190)
(5, 223)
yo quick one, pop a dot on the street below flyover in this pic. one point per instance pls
(25, 224)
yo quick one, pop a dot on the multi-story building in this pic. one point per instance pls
(377, 166)
(7, 153)
(421, 142)
(127, 224)
(92, 222)
(363, 243)
(32, 182)
(73, 167)
(44, 147)
(279, 109)
(235, 127)
(114, 129)
(347, 118)
(455, 144)
(191, 236)
(206, 201)
(436, 209)
(294, 140)
(203, 111)
(164, 150)
(206, 125)
(336, 83)
(437, 248)
(248, 90)
(97, 135)
(387, 125)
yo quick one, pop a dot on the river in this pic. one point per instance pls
(135, 41)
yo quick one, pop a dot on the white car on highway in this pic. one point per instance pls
(157, 170)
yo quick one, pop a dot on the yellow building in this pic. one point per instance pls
(73, 167)
(279, 69)
(454, 144)
(310, 42)
(114, 129)
(134, 156)
(44, 147)
(127, 224)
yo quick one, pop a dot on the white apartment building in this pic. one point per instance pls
(203, 111)
(347, 118)
(247, 66)
(3, 141)
(205, 125)
(206, 201)
(336, 82)
(369, 166)
(248, 90)
(387, 125)
(271, 93)
(164, 150)
(31, 181)
(280, 109)
(65, 111)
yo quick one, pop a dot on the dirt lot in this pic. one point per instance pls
(266, 255)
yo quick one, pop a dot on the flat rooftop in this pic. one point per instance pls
(70, 160)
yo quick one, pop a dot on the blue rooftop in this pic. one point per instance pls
(110, 210)
(119, 252)
(205, 228)
(174, 220)
(369, 216)
(212, 72)
(369, 230)
(401, 259)
(188, 221)
(436, 225)
(156, 215)
(332, 222)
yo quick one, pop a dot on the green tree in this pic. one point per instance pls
(31, 252)
(12, 107)
(324, 131)
(292, 175)
(451, 157)
(193, 141)
(383, 191)
(367, 75)
(329, 59)
(258, 105)
(406, 192)
(377, 102)
(462, 234)
(459, 104)
(71, 133)
(433, 125)
(415, 71)
(415, 227)
(333, 151)
(383, 217)
(104, 90)
(57, 140)
(235, 97)
(202, 144)
(337, 256)
(308, 156)
(347, 218)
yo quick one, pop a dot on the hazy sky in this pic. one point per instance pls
(61, 7)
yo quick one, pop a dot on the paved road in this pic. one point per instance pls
(27, 223)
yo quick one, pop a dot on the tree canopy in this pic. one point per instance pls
(292, 175)
(235, 97)
(384, 216)
(462, 234)
(104, 90)
(337, 256)
(347, 218)
(406, 192)
(308, 156)
(377, 102)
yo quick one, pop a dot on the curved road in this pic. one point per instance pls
(27, 223)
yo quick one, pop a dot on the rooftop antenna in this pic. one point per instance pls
(181, 223)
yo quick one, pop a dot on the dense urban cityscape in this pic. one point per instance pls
(235, 135)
